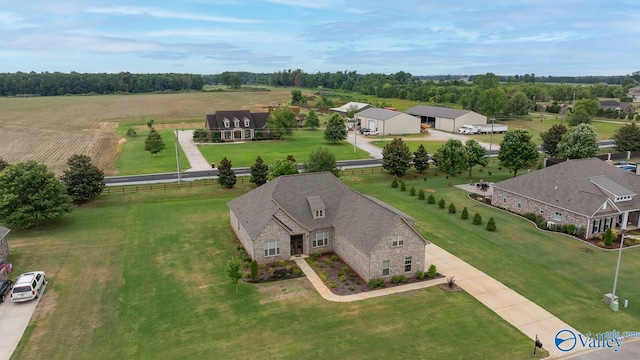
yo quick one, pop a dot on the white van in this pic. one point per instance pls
(28, 286)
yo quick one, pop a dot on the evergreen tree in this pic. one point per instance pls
(465, 214)
(421, 194)
(154, 143)
(336, 130)
(259, 172)
(312, 121)
(396, 157)
(412, 191)
(491, 224)
(452, 209)
(226, 175)
(83, 179)
(403, 187)
(477, 219)
(431, 199)
(421, 159)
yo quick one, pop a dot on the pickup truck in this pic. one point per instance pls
(483, 129)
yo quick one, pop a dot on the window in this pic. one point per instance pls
(227, 135)
(246, 122)
(236, 123)
(398, 240)
(226, 122)
(504, 198)
(385, 268)
(596, 226)
(541, 210)
(407, 264)
(557, 216)
(321, 238)
(519, 203)
(319, 214)
(607, 223)
(247, 134)
(272, 248)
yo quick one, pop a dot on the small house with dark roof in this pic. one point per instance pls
(620, 107)
(388, 122)
(237, 125)
(588, 193)
(446, 119)
(298, 215)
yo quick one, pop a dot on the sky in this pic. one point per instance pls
(422, 37)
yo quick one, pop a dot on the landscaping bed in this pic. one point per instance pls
(281, 270)
(342, 280)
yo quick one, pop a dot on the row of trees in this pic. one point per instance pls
(29, 192)
(319, 161)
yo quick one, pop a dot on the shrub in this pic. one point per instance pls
(271, 271)
(281, 262)
(465, 214)
(580, 232)
(345, 270)
(335, 258)
(608, 237)
(403, 187)
(441, 203)
(420, 274)
(323, 276)
(451, 282)
(296, 271)
(491, 224)
(412, 191)
(421, 194)
(254, 269)
(332, 284)
(372, 284)
(540, 219)
(262, 266)
(627, 243)
(343, 278)
(432, 272)
(431, 199)
(530, 216)
(477, 219)
(571, 229)
(394, 183)
(327, 261)
(452, 209)
(380, 282)
(288, 268)
(601, 244)
(351, 288)
(131, 132)
(395, 279)
(402, 278)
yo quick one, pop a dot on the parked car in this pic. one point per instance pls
(368, 132)
(5, 288)
(28, 286)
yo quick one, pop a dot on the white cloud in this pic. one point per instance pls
(12, 21)
(165, 14)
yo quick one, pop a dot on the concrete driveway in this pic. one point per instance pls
(190, 149)
(14, 318)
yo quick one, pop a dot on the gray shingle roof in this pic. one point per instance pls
(362, 219)
(568, 185)
(257, 120)
(611, 186)
(4, 231)
(435, 111)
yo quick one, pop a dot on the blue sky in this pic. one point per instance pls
(423, 37)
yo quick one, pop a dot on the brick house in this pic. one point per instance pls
(587, 193)
(620, 107)
(237, 125)
(297, 215)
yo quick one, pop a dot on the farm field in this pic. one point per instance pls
(154, 285)
(51, 129)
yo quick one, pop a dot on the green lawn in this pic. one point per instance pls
(300, 145)
(142, 276)
(550, 269)
(134, 159)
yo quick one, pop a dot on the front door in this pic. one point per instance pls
(296, 245)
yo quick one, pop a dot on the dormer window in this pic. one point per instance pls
(236, 122)
(246, 122)
(317, 207)
(226, 123)
(319, 214)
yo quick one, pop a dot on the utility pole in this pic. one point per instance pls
(355, 135)
(493, 120)
(178, 160)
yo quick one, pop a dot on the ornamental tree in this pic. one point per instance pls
(517, 151)
(259, 172)
(579, 142)
(226, 175)
(452, 157)
(282, 167)
(154, 143)
(83, 179)
(396, 157)
(30, 192)
(421, 159)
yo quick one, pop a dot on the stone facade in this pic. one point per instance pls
(4, 245)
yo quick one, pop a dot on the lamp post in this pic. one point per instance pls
(493, 120)
(355, 134)
(615, 280)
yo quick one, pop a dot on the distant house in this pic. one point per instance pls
(634, 93)
(446, 119)
(388, 122)
(587, 193)
(356, 106)
(4, 243)
(298, 215)
(236, 125)
(621, 107)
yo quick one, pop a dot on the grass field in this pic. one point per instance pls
(300, 145)
(142, 276)
(134, 159)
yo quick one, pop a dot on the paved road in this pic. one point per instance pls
(14, 318)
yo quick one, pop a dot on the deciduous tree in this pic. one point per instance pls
(234, 271)
(154, 143)
(451, 158)
(259, 172)
(282, 167)
(226, 175)
(627, 138)
(336, 130)
(3, 164)
(396, 157)
(579, 142)
(297, 98)
(551, 138)
(83, 179)
(312, 121)
(517, 151)
(421, 159)
(590, 106)
(579, 117)
(493, 102)
(282, 121)
(476, 154)
(30, 192)
(322, 160)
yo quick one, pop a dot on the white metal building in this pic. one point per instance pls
(446, 119)
(388, 122)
